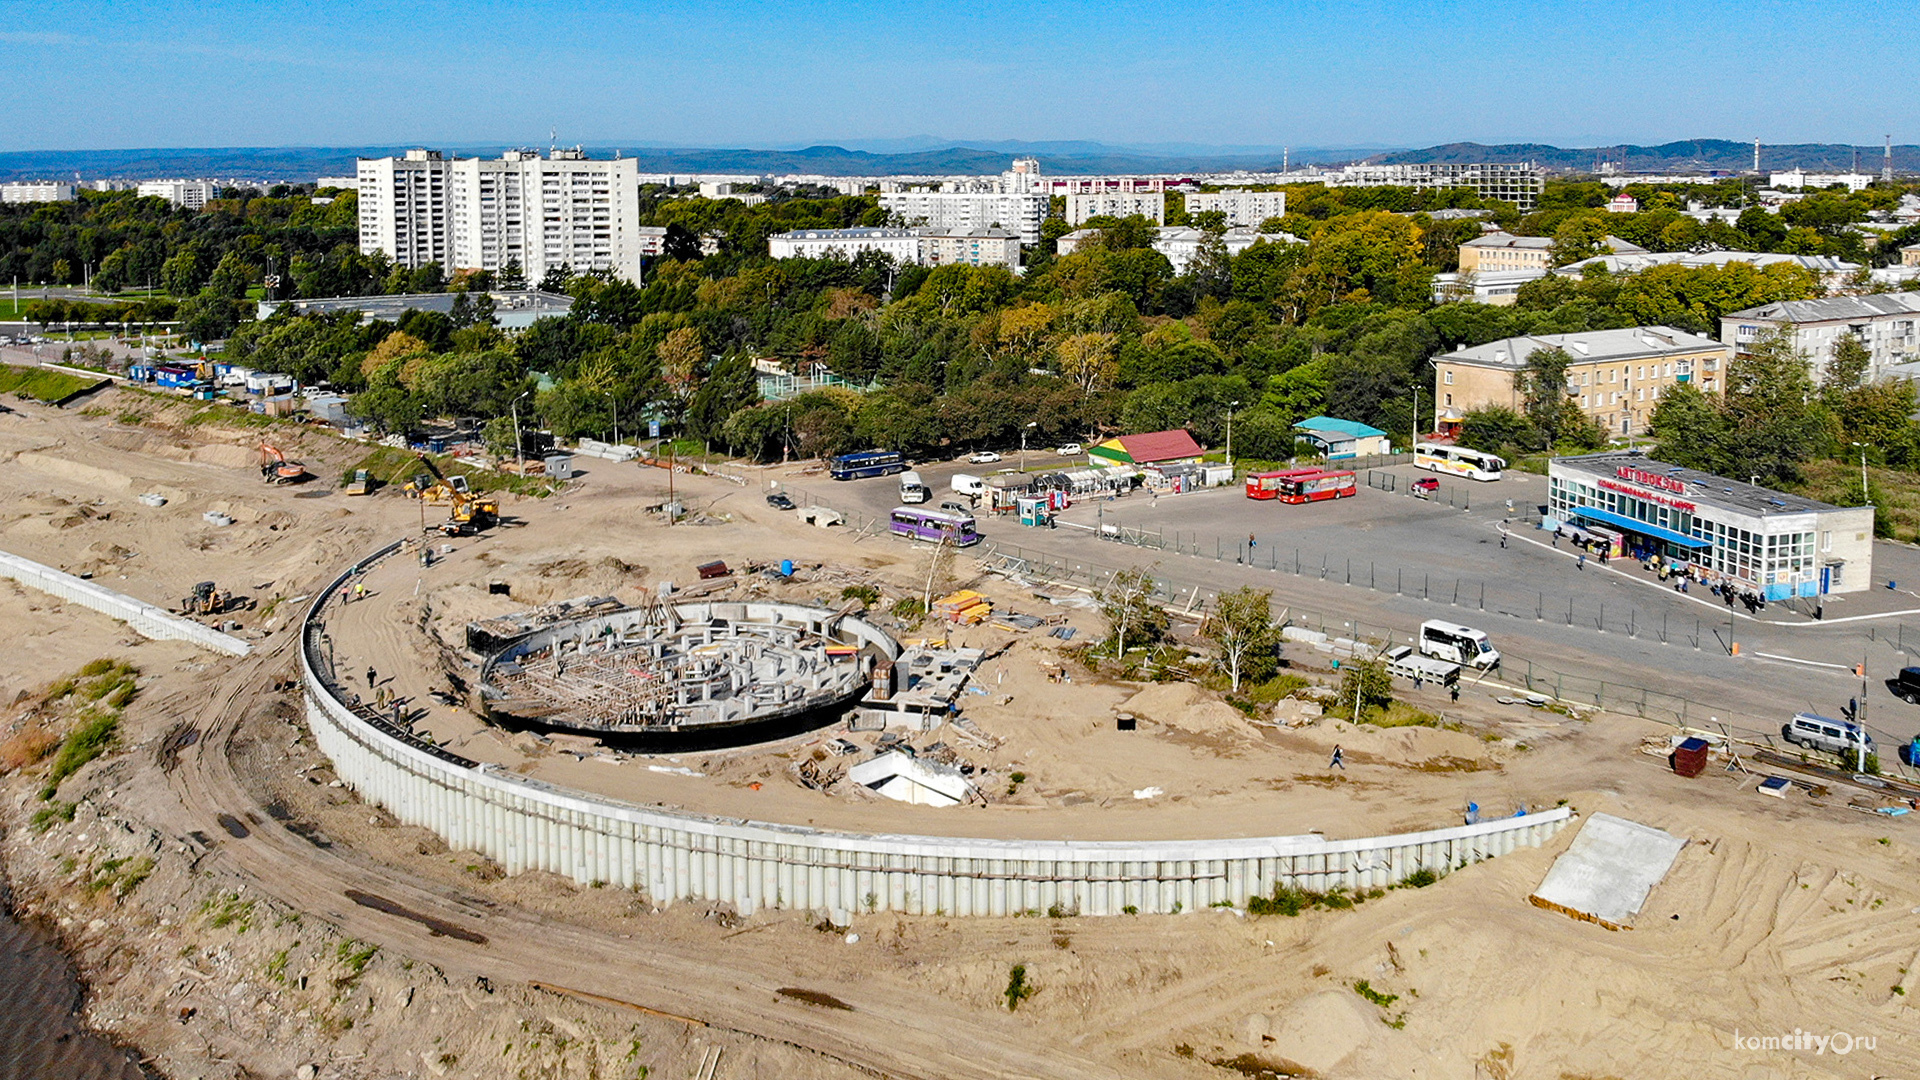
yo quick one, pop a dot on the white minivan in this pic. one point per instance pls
(1457, 644)
(971, 486)
(912, 489)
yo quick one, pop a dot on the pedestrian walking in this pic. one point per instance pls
(1250, 542)
(1583, 560)
(1454, 693)
(1338, 762)
(371, 678)
(1416, 682)
(1503, 536)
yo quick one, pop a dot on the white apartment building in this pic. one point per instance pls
(1149, 204)
(192, 194)
(1179, 243)
(35, 191)
(345, 183)
(903, 245)
(561, 210)
(1887, 323)
(951, 211)
(1242, 207)
(928, 247)
(1800, 178)
(1518, 183)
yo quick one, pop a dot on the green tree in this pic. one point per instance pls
(232, 278)
(1497, 429)
(1133, 619)
(1848, 367)
(1242, 628)
(1365, 686)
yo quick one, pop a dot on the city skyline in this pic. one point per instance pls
(1225, 75)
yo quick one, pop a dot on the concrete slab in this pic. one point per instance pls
(1608, 872)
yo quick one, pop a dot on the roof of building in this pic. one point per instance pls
(1350, 428)
(1508, 240)
(984, 232)
(1160, 446)
(845, 234)
(1627, 262)
(1833, 308)
(1701, 487)
(1590, 346)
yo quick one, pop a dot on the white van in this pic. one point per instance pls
(971, 486)
(1822, 733)
(912, 490)
(1457, 644)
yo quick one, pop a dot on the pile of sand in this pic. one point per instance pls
(1191, 709)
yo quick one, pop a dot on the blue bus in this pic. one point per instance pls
(864, 463)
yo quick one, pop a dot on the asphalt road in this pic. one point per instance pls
(1391, 561)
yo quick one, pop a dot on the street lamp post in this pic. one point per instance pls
(615, 402)
(518, 460)
(1230, 407)
(1031, 424)
(1862, 447)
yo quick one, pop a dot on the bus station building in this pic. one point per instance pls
(1774, 543)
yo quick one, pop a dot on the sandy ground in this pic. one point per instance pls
(1778, 916)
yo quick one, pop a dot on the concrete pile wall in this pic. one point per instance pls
(147, 619)
(530, 825)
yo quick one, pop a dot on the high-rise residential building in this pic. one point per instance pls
(1242, 206)
(1148, 204)
(471, 214)
(192, 194)
(35, 191)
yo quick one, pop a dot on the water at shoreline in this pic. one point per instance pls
(40, 993)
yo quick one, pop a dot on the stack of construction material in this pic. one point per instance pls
(1690, 757)
(965, 606)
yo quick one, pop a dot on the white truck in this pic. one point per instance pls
(1407, 664)
(971, 486)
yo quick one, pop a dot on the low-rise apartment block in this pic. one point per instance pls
(192, 194)
(1616, 377)
(1148, 204)
(1241, 205)
(1179, 243)
(927, 247)
(1505, 251)
(1888, 324)
(32, 191)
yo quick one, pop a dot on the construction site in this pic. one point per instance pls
(538, 796)
(686, 676)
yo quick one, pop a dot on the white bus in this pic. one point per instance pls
(1457, 644)
(913, 489)
(1458, 460)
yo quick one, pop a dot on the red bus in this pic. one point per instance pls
(1266, 485)
(1315, 486)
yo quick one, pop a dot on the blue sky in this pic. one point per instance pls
(85, 74)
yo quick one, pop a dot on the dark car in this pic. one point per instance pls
(779, 501)
(1906, 685)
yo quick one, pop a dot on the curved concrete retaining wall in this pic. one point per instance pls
(148, 619)
(529, 825)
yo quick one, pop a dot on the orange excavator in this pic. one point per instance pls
(276, 469)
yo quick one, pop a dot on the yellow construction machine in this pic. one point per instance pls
(467, 510)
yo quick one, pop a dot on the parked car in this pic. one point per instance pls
(983, 457)
(1424, 487)
(1072, 449)
(952, 507)
(779, 501)
(1841, 737)
(1907, 685)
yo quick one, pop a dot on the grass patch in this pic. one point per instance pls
(45, 817)
(1290, 901)
(354, 956)
(1399, 714)
(40, 384)
(119, 876)
(1018, 988)
(392, 465)
(228, 909)
(1366, 990)
(91, 738)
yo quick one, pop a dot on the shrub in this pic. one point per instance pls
(84, 743)
(1420, 878)
(1018, 988)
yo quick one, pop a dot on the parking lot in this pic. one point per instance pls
(1382, 562)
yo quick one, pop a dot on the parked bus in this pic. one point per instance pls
(1317, 485)
(1266, 485)
(935, 525)
(1457, 644)
(864, 463)
(913, 489)
(1457, 460)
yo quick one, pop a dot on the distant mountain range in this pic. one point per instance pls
(909, 157)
